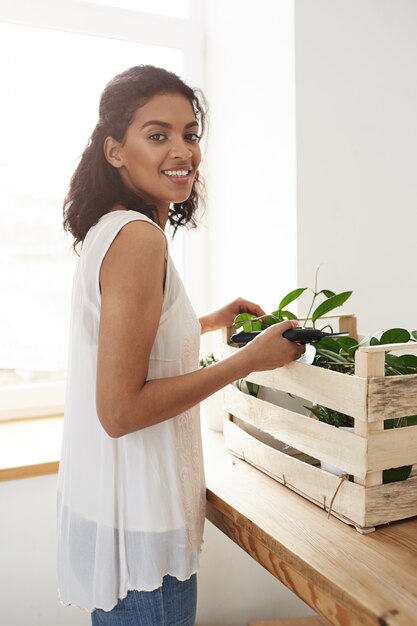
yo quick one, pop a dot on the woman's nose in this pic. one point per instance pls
(179, 149)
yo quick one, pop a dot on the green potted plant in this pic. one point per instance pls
(338, 353)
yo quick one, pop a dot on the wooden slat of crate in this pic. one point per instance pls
(392, 396)
(390, 503)
(307, 480)
(364, 507)
(347, 394)
(392, 448)
(390, 347)
(308, 435)
(368, 366)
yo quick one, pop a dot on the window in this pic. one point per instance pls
(54, 80)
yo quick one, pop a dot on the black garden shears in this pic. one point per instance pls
(300, 335)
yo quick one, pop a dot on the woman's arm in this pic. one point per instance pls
(131, 280)
(221, 318)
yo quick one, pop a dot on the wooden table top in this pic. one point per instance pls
(348, 578)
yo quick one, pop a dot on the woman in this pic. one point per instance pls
(131, 486)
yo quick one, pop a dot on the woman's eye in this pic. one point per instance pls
(157, 137)
(193, 137)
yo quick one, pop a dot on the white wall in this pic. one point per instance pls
(251, 230)
(356, 86)
(28, 585)
(354, 210)
(251, 150)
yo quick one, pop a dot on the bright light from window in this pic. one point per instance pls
(51, 87)
(172, 8)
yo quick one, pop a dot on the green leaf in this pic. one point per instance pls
(240, 319)
(409, 420)
(252, 388)
(318, 411)
(367, 339)
(290, 297)
(332, 356)
(395, 362)
(331, 303)
(277, 315)
(327, 293)
(348, 344)
(329, 416)
(288, 315)
(414, 334)
(253, 325)
(374, 341)
(208, 360)
(247, 321)
(396, 473)
(399, 365)
(269, 320)
(395, 335)
(327, 343)
(405, 360)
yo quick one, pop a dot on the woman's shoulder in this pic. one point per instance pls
(132, 225)
(117, 215)
(138, 233)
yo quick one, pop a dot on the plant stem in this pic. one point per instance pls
(311, 307)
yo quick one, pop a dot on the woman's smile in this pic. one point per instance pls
(179, 176)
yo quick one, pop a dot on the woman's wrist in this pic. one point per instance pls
(208, 323)
(237, 365)
(203, 324)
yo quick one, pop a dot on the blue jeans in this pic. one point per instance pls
(173, 604)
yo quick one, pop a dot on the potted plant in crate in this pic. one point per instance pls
(338, 354)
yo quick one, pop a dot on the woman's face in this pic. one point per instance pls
(160, 154)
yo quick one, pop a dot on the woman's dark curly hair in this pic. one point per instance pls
(96, 186)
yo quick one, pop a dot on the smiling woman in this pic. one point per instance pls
(127, 157)
(131, 482)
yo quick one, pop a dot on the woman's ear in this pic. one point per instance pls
(113, 152)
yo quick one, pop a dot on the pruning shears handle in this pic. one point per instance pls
(300, 335)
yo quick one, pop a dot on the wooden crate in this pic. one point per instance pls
(370, 398)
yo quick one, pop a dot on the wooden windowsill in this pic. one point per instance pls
(30, 447)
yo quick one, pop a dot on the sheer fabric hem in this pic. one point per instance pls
(123, 594)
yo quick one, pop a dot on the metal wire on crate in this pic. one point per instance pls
(341, 479)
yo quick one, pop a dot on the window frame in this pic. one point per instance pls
(75, 16)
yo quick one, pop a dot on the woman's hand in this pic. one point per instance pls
(221, 318)
(270, 349)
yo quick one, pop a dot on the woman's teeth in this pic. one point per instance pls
(176, 172)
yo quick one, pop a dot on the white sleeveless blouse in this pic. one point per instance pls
(130, 510)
